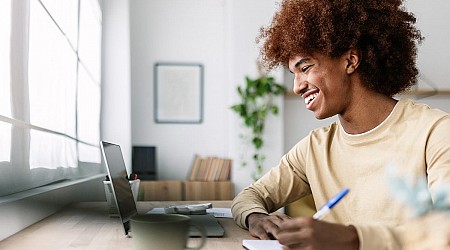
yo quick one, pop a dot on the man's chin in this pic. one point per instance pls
(321, 116)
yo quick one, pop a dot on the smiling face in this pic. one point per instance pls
(323, 82)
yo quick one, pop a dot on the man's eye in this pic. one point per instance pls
(304, 69)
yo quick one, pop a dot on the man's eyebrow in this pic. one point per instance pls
(299, 62)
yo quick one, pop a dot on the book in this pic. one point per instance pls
(195, 168)
(207, 168)
(262, 245)
(210, 168)
(219, 167)
(202, 170)
(213, 169)
(225, 170)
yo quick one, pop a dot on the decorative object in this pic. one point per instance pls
(178, 93)
(255, 104)
(429, 224)
(413, 192)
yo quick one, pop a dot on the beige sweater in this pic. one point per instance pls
(414, 137)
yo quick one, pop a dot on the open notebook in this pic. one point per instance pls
(115, 166)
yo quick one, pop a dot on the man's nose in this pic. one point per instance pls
(300, 85)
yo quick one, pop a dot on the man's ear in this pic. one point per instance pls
(353, 58)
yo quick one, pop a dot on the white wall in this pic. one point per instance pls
(221, 36)
(433, 20)
(116, 87)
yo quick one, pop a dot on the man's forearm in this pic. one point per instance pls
(251, 218)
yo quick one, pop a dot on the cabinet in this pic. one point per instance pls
(208, 190)
(174, 190)
(161, 191)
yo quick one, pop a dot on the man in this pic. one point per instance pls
(349, 58)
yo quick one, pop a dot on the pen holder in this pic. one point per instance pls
(112, 207)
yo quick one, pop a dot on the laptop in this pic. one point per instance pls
(123, 196)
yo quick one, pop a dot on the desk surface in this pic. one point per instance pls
(87, 225)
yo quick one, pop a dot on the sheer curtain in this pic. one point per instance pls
(49, 92)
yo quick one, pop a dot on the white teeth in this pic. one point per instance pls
(309, 98)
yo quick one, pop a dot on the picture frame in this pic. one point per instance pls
(178, 92)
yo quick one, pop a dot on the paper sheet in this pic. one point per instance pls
(262, 245)
(219, 212)
(156, 210)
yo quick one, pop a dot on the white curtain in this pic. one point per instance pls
(50, 92)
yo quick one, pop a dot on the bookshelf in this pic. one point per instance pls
(208, 179)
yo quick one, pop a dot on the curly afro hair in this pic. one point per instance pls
(383, 32)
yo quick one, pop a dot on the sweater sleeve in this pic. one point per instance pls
(438, 157)
(282, 185)
(378, 237)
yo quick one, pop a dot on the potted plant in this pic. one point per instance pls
(256, 102)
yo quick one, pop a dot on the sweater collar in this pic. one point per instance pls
(379, 130)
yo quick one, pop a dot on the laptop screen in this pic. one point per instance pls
(115, 165)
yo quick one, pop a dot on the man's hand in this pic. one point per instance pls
(264, 226)
(307, 233)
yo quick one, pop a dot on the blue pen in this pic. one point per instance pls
(325, 209)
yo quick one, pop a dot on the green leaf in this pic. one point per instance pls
(241, 109)
(258, 128)
(258, 142)
(274, 110)
(249, 121)
(239, 90)
(255, 157)
(237, 108)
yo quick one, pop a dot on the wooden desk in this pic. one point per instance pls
(88, 226)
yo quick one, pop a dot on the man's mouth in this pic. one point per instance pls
(310, 98)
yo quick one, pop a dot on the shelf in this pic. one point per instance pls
(443, 92)
(174, 190)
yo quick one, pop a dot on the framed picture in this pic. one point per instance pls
(178, 92)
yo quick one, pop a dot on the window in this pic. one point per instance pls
(52, 85)
(49, 92)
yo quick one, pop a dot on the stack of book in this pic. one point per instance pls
(210, 168)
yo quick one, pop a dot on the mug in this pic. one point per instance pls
(163, 231)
